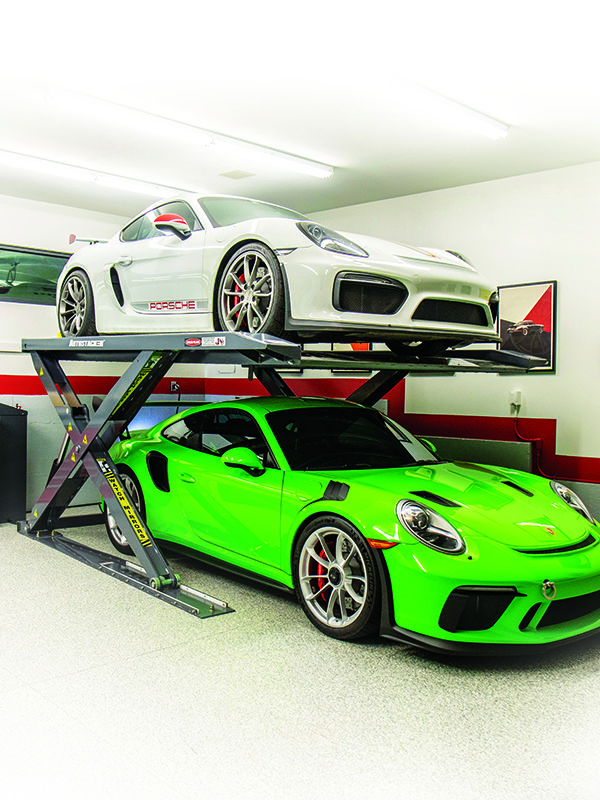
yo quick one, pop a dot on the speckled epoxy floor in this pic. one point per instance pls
(107, 692)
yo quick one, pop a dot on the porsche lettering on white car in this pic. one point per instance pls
(233, 264)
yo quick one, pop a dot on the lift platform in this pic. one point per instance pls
(89, 435)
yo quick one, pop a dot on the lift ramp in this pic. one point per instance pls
(89, 435)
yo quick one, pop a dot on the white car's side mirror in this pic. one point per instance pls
(173, 223)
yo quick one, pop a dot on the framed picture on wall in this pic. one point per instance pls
(527, 321)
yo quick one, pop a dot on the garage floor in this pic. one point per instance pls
(107, 692)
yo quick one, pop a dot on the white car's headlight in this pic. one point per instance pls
(430, 528)
(572, 500)
(330, 240)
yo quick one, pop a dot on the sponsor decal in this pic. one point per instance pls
(206, 341)
(86, 342)
(172, 305)
(125, 505)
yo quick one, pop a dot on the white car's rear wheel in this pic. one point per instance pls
(76, 315)
(250, 297)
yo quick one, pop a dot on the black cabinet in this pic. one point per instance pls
(13, 463)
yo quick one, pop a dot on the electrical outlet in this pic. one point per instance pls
(515, 399)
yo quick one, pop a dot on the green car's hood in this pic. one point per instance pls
(514, 508)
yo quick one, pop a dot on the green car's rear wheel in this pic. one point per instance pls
(336, 578)
(132, 486)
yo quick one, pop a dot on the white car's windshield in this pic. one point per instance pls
(344, 438)
(229, 210)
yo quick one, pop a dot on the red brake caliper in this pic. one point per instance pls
(321, 570)
(238, 291)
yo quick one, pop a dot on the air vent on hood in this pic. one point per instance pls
(588, 542)
(435, 498)
(518, 488)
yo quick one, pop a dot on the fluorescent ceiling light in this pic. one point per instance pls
(121, 115)
(73, 172)
(460, 114)
(256, 152)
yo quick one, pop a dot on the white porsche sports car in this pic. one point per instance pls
(229, 263)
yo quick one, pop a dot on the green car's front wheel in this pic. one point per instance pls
(336, 578)
(132, 486)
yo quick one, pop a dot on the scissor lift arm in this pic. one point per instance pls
(89, 435)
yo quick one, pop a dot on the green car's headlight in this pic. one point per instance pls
(330, 240)
(572, 500)
(430, 528)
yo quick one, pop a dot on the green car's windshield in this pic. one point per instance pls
(330, 438)
(229, 210)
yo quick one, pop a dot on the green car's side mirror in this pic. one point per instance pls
(429, 445)
(243, 458)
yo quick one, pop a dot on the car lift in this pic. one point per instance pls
(88, 438)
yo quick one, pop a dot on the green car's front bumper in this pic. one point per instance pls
(543, 602)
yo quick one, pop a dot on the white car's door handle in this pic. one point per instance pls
(124, 261)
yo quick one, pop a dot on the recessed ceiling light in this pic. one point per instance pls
(238, 174)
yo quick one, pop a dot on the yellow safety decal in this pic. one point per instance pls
(69, 427)
(146, 369)
(85, 439)
(41, 372)
(125, 505)
(73, 457)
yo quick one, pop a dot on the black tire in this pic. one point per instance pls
(426, 349)
(250, 297)
(336, 579)
(131, 484)
(76, 315)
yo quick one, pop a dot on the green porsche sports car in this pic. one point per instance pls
(373, 532)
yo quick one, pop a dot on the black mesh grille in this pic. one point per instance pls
(572, 608)
(475, 608)
(451, 311)
(365, 295)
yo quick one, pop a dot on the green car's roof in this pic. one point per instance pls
(261, 405)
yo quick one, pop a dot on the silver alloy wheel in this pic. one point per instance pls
(247, 293)
(114, 530)
(333, 577)
(73, 305)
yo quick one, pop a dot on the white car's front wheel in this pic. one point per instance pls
(76, 316)
(250, 297)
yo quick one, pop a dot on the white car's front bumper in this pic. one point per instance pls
(435, 300)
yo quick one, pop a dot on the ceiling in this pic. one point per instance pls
(332, 81)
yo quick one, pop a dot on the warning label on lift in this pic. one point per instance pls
(125, 505)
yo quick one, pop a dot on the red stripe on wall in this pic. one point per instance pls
(31, 385)
(541, 431)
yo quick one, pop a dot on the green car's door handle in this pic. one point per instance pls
(186, 478)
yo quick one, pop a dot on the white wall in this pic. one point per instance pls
(534, 227)
(537, 227)
(32, 224)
